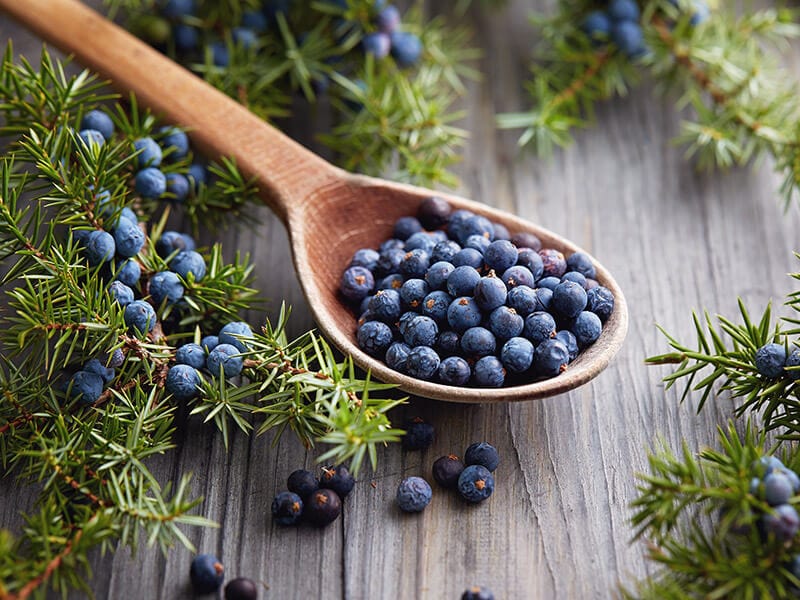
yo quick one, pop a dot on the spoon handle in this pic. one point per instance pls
(287, 173)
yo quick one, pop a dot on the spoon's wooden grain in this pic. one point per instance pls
(329, 213)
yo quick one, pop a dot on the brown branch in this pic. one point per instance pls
(51, 566)
(579, 83)
(287, 367)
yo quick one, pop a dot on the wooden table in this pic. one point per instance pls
(557, 525)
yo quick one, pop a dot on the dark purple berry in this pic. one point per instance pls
(241, 588)
(302, 483)
(446, 470)
(433, 212)
(206, 573)
(418, 435)
(337, 479)
(287, 507)
(477, 592)
(322, 508)
(482, 453)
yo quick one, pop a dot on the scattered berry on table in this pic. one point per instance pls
(413, 494)
(419, 434)
(206, 573)
(477, 592)
(322, 507)
(302, 483)
(475, 484)
(446, 471)
(241, 588)
(287, 508)
(337, 479)
(482, 453)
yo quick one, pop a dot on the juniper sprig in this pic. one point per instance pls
(88, 460)
(726, 69)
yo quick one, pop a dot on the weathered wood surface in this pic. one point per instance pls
(557, 525)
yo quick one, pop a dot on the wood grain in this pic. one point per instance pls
(556, 526)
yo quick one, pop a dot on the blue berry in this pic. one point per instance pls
(490, 292)
(553, 263)
(477, 242)
(550, 358)
(322, 507)
(569, 299)
(422, 240)
(570, 341)
(477, 342)
(783, 523)
(206, 573)
(122, 294)
(446, 471)
(770, 359)
(548, 283)
(581, 262)
(391, 282)
(475, 484)
(454, 370)
(197, 175)
(150, 183)
(149, 152)
(396, 356)
(793, 360)
(98, 121)
(171, 242)
(128, 272)
(404, 320)
(455, 225)
(628, 37)
(406, 48)
(530, 259)
(244, 37)
(117, 359)
(777, 488)
(435, 305)
(522, 299)
(462, 281)
(140, 316)
(177, 186)
(587, 328)
(505, 323)
(209, 342)
(219, 54)
(501, 255)
(767, 464)
(421, 331)
(539, 326)
(388, 19)
(128, 238)
(366, 257)
(85, 386)
(385, 305)
(378, 44)
(501, 232)
(389, 261)
(482, 453)
(287, 508)
(405, 227)
(374, 337)
(186, 37)
(489, 372)
(468, 257)
(413, 292)
(413, 494)
(182, 382)
(91, 137)
(191, 354)
(477, 592)
(526, 239)
(392, 244)
(518, 275)
(422, 363)
(236, 333)
(438, 274)
(597, 25)
(600, 301)
(623, 10)
(448, 344)
(356, 283)
(337, 479)
(255, 20)
(700, 14)
(445, 251)
(517, 355)
(187, 262)
(303, 483)
(95, 366)
(543, 299)
(175, 142)
(165, 285)
(418, 435)
(228, 358)
(574, 277)
(463, 313)
(100, 247)
(477, 225)
(415, 263)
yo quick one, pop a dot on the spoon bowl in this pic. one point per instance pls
(328, 212)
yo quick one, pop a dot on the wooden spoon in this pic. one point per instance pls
(328, 212)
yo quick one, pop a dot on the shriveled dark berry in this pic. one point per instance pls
(482, 453)
(287, 508)
(302, 483)
(206, 573)
(322, 508)
(477, 592)
(413, 494)
(555, 265)
(446, 470)
(337, 479)
(419, 434)
(241, 588)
